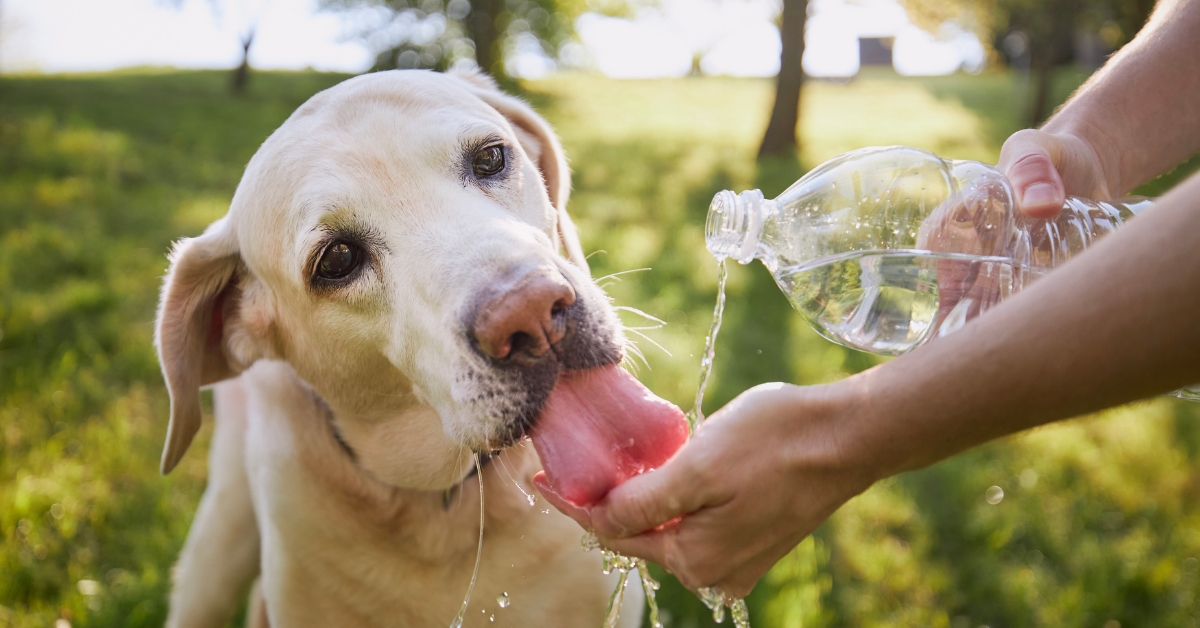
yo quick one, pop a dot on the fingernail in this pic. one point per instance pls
(1039, 194)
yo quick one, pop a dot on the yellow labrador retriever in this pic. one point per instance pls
(396, 287)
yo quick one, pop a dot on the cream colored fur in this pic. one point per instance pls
(355, 533)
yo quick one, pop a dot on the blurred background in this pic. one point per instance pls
(125, 124)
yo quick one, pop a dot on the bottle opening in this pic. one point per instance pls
(734, 225)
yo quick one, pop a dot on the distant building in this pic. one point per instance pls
(841, 36)
(875, 50)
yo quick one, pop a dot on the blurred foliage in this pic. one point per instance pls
(437, 34)
(1100, 519)
(1038, 35)
(1114, 21)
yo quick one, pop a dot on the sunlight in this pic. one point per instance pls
(86, 36)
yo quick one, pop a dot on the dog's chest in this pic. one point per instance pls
(339, 550)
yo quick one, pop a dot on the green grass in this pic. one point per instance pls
(99, 173)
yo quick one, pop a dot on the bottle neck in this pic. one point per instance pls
(1129, 206)
(735, 225)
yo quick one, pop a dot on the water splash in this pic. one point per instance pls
(696, 416)
(649, 586)
(614, 602)
(717, 602)
(462, 611)
(613, 561)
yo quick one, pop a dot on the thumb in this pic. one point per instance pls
(1028, 160)
(651, 499)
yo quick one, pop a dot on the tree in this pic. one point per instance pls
(241, 73)
(436, 34)
(780, 138)
(1049, 27)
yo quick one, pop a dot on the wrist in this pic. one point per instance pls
(858, 432)
(1094, 152)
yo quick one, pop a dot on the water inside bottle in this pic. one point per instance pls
(891, 301)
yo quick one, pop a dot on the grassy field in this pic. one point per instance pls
(98, 174)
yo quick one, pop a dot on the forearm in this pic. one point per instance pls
(1120, 322)
(1141, 111)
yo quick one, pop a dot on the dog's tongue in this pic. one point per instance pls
(601, 427)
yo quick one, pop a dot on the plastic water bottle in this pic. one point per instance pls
(883, 249)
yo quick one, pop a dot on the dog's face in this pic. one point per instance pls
(402, 242)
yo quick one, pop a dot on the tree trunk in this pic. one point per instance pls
(482, 23)
(1043, 71)
(242, 74)
(1051, 44)
(780, 138)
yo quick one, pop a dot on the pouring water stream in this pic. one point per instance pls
(716, 600)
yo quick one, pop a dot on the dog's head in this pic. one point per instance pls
(402, 242)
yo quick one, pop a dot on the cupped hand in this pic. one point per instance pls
(1044, 168)
(759, 476)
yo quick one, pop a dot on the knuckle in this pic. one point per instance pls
(641, 513)
(630, 515)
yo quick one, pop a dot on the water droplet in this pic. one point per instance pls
(545, 511)
(531, 498)
(503, 600)
(994, 495)
(491, 618)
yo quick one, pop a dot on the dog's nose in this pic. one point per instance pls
(526, 319)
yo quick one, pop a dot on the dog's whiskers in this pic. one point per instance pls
(617, 275)
(632, 351)
(649, 339)
(626, 308)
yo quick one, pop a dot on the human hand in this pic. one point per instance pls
(759, 476)
(1045, 167)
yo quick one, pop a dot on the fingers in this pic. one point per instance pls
(1029, 159)
(651, 499)
(581, 515)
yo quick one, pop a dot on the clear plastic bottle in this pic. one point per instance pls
(883, 249)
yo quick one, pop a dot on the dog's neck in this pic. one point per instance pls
(371, 457)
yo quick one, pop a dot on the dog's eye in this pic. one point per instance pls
(339, 260)
(489, 161)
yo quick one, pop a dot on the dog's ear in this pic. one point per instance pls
(542, 145)
(200, 297)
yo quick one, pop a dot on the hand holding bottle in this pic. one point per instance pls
(1044, 168)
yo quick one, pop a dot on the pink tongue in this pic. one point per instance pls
(601, 427)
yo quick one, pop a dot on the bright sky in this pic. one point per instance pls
(734, 37)
(86, 35)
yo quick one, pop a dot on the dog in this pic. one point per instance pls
(394, 291)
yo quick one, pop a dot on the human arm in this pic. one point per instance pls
(1115, 324)
(1134, 119)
